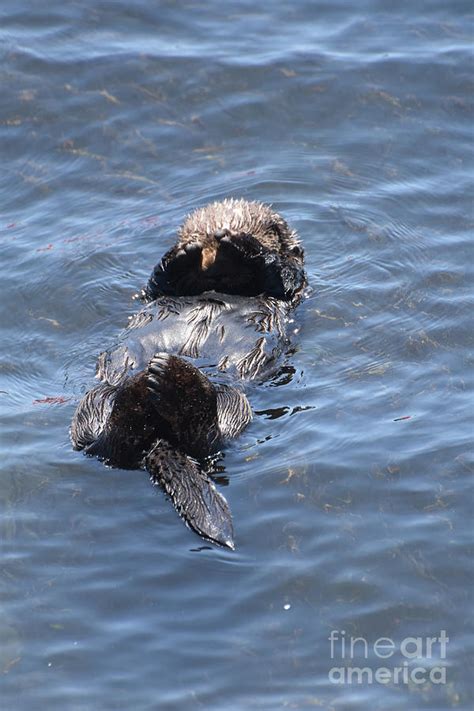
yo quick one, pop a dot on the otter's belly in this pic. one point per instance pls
(242, 336)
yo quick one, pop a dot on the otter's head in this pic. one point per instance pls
(232, 247)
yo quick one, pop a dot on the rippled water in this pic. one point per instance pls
(351, 491)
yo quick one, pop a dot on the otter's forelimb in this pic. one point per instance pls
(233, 263)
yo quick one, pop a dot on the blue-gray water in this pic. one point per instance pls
(355, 121)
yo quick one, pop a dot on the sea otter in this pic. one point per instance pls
(171, 391)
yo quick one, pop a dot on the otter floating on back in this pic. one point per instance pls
(216, 311)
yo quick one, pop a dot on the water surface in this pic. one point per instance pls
(351, 491)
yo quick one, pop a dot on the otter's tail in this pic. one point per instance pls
(167, 419)
(193, 494)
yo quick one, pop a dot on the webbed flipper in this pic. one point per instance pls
(193, 494)
(233, 411)
(91, 416)
(187, 400)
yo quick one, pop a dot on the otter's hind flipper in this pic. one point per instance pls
(91, 416)
(187, 400)
(233, 411)
(193, 494)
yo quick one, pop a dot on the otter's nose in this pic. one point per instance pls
(208, 257)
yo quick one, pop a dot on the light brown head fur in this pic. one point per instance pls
(237, 217)
(232, 247)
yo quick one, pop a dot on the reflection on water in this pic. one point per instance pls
(351, 490)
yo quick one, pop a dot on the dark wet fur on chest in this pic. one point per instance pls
(244, 336)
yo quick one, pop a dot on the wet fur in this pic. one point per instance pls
(233, 247)
(222, 292)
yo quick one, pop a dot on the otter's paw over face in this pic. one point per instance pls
(177, 273)
(243, 247)
(230, 264)
(232, 247)
(233, 264)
